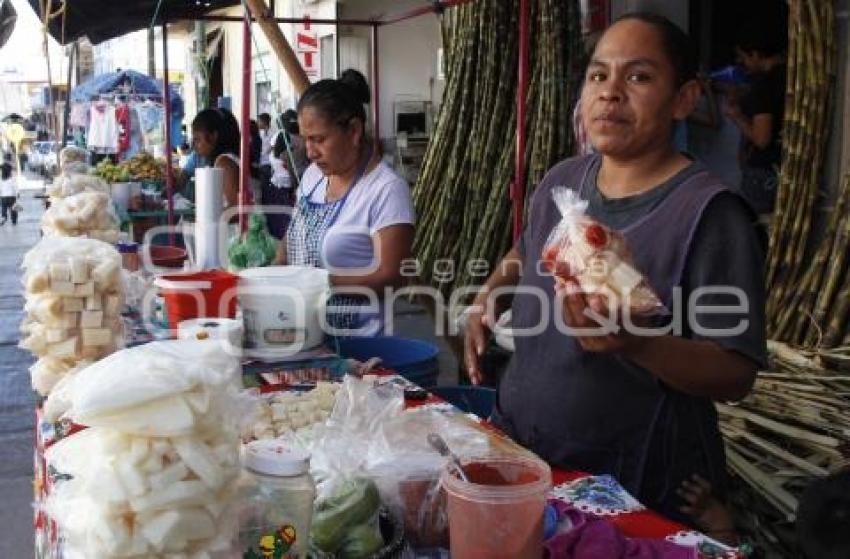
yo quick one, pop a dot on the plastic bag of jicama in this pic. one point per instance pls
(154, 474)
(73, 303)
(596, 258)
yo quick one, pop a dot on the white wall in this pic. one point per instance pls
(281, 84)
(130, 52)
(407, 54)
(22, 57)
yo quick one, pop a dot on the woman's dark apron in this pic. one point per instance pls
(600, 413)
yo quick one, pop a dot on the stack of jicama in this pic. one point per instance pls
(87, 214)
(71, 155)
(284, 413)
(153, 474)
(71, 183)
(74, 177)
(73, 303)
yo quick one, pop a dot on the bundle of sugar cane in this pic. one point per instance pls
(797, 283)
(470, 159)
(794, 426)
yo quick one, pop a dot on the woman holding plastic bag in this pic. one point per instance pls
(635, 237)
(353, 214)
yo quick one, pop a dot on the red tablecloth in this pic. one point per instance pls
(642, 523)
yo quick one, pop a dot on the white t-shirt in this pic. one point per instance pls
(103, 128)
(380, 199)
(266, 148)
(280, 174)
(8, 188)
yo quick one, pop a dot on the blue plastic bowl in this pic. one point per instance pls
(415, 360)
(479, 400)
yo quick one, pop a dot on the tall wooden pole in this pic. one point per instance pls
(260, 11)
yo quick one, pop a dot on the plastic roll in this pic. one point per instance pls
(209, 197)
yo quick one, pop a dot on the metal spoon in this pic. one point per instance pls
(437, 442)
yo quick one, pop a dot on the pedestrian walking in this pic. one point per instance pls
(8, 194)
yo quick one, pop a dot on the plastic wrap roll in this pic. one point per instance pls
(214, 329)
(209, 199)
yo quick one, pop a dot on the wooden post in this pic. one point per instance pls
(260, 11)
(376, 91)
(518, 189)
(169, 161)
(245, 146)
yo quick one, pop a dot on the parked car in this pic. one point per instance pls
(43, 158)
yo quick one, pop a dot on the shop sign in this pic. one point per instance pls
(307, 47)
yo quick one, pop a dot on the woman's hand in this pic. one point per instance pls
(280, 255)
(596, 328)
(478, 332)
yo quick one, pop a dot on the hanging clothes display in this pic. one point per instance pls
(103, 128)
(122, 115)
(79, 116)
(136, 140)
(151, 121)
(178, 111)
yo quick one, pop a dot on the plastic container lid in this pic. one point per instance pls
(127, 247)
(273, 458)
(293, 276)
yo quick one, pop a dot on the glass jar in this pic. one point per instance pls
(129, 255)
(276, 505)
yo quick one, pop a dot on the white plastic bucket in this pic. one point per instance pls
(121, 194)
(281, 309)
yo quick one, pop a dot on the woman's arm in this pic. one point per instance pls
(392, 245)
(231, 180)
(281, 256)
(506, 274)
(757, 130)
(696, 367)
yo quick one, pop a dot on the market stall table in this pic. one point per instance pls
(624, 511)
(145, 219)
(599, 496)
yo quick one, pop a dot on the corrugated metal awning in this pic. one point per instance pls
(101, 20)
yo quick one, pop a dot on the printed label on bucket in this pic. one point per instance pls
(276, 545)
(285, 336)
(249, 319)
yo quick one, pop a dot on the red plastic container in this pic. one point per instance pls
(198, 295)
(167, 256)
(507, 495)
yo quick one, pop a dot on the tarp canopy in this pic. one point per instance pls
(101, 20)
(123, 81)
(8, 17)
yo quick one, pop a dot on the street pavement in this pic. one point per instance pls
(16, 396)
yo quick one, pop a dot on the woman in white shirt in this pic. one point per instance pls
(8, 194)
(353, 214)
